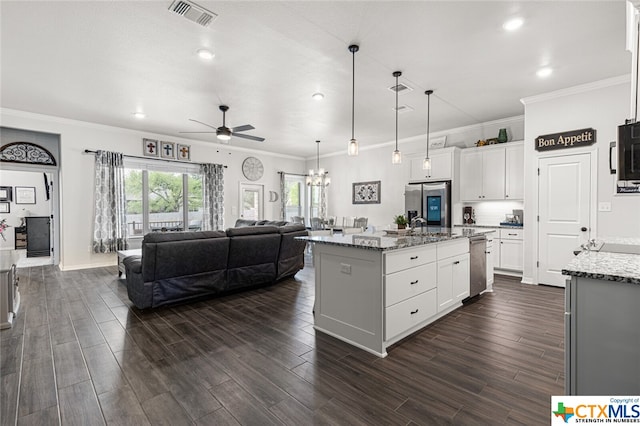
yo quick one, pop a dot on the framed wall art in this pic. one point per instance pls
(25, 194)
(183, 152)
(366, 192)
(5, 207)
(150, 147)
(167, 150)
(6, 193)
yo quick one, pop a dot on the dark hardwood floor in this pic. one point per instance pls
(80, 354)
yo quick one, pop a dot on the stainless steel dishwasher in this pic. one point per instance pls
(478, 267)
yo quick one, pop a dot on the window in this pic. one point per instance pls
(155, 198)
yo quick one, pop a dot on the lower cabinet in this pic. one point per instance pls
(511, 249)
(490, 261)
(453, 280)
(406, 314)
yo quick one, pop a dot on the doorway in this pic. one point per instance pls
(251, 201)
(564, 208)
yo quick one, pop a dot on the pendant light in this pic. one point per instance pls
(426, 163)
(319, 177)
(396, 157)
(352, 149)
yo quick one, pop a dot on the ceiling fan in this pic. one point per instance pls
(224, 133)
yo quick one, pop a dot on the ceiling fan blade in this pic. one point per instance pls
(253, 138)
(243, 128)
(208, 125)
(196, 132)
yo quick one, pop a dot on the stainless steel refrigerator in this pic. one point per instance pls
(430, 201)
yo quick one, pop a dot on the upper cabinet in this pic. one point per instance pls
(492, 173)
(443, 162)
(514, 177)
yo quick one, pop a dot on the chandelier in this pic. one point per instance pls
(319, 177)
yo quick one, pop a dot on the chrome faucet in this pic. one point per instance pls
(415, 220)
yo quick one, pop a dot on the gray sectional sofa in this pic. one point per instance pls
(183, 266)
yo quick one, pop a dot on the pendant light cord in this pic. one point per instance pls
(353, 92)
(397, 75)
(428, 117)
(637, 70)
(318, 157)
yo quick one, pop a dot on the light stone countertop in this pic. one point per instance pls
(599, 265)
(381, 241)
(490, 226)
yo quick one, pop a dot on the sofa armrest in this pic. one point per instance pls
(133, 264)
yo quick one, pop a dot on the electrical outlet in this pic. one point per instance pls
(89, 249)
(604, 207)
(345, 268)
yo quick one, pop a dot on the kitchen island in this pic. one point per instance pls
(372, 290)
(602, 337)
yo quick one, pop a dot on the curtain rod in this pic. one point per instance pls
(292, 174)
(88, 151)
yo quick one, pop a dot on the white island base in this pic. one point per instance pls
(373, 298)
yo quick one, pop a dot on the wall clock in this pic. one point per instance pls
(252, 168)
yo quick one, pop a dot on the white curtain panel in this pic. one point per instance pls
(284, 196)
(213, 189)
(109, 227)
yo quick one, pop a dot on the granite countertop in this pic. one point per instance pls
(520, 226)
(601, 265)
(381, 241)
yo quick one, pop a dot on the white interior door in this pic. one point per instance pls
(564, 188)
(251, 201)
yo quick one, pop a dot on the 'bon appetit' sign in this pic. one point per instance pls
(571, 139)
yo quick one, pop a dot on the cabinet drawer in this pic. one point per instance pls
(404, 315)
(453, 248)
(404, 259)
(408, 283)
(511, 234)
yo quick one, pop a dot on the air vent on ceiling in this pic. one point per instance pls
(403, 108)
(193, 12)
(400, 88)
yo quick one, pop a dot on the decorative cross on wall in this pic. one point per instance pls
(168, 149)
(184, 151)
(151, 147)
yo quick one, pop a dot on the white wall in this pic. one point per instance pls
(603, 106)
(42, 207)
(76, 174)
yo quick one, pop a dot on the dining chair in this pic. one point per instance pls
(360, 222)
(347, 221)
(316, 224)
(297, 219)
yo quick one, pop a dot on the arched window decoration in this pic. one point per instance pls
(26, 152)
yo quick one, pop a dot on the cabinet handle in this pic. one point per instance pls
(488, 252)
(414, 312)
(413, 257)
(501, 242)
(414, 282)
(506, 195)
(456, 262)
(515, 235)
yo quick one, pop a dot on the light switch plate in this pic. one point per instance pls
(604, 207)
(345, 268)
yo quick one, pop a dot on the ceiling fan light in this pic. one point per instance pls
(396, 157)
(352, 150)
(426, 164)
(224, 137)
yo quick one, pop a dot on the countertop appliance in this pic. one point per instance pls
(478, 264)
(430, 201)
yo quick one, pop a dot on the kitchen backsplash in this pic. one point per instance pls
(493, 212)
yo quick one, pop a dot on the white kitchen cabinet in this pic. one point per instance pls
(482, 174)
(442, 165)
(511, 249)
(490, 260)
(453, 274)
(514, 172)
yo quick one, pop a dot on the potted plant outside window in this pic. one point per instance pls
(401, 221)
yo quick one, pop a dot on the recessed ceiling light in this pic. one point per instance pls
(513, 24)
(205, 54)
(318, 96)
(139, 114)
(544, 72)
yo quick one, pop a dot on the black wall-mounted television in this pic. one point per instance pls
(629, 152)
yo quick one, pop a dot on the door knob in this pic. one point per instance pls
(583, 229)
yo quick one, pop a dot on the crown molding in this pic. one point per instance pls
(575, 90)
(140, 133)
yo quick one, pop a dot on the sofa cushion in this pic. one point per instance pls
(251, 230)
(292, 227)
(244, 222)
(272, 222)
